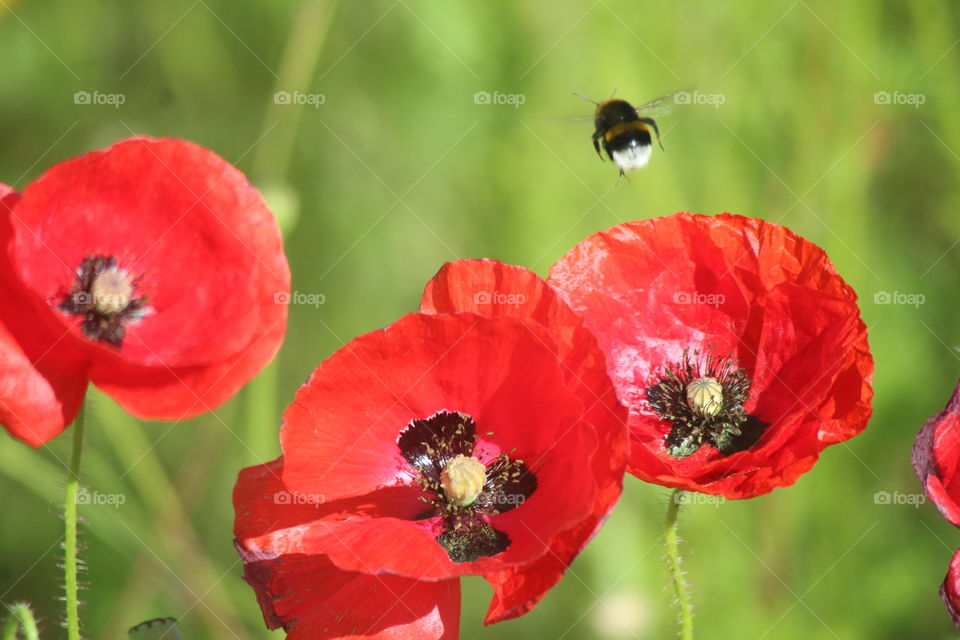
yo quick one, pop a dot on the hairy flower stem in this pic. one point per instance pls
(671, 540)
(20, 617)
(70, 533)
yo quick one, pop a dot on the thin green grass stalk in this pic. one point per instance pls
(271, 160)
(70, 532)
(298, 65)
(680, 589)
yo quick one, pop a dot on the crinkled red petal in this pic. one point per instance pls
(725, 284)
(936, 458)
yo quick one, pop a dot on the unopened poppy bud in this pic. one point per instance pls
(111, 291)
(705, 396)
(462, 479)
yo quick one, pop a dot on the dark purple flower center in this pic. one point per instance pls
(105, 297)
(464, 485)
(703, 398)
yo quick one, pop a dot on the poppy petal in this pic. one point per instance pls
(339, 436)
(312, 599)
(190, 230)
(308, 595)
(950, 589)
(936, 458)
(653, 290)
(177, 393)
(41, 386)
(494, 289)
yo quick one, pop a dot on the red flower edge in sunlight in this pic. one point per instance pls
(442, 446)
(936, 458)
(735, 345)
(491, 288)
(158, 269)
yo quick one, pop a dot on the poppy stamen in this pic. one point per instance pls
(703, 399)
(459, 487)
(104, 296)
(111, 291)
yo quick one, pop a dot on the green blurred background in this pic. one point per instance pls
(399, 170)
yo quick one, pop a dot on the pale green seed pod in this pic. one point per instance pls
(705, 396)
(462, 479)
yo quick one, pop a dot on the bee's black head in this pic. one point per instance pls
(614, 112)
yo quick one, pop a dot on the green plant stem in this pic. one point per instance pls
(20, 616)
(297, 66)
(70, 532)
(671, 540)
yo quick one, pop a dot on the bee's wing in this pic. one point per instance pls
(662, 105)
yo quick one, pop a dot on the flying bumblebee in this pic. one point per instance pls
(624, 133)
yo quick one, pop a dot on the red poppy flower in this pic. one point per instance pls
(936, 459)
(737, 348)
(161, 266)
(950, 589)
(493, 289)
(442, 446)
(41, 388)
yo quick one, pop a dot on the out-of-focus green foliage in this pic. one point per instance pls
(397, 169)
